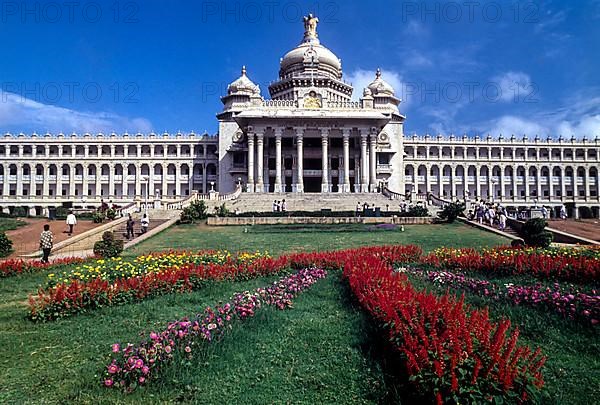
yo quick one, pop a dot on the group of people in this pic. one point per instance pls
(490, 214)
(144, 224)
(279, 206)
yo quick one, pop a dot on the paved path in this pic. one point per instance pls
(26, 239)
(587, 228)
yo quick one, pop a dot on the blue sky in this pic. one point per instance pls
(460, 67)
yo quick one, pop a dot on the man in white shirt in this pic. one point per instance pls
(71, 221)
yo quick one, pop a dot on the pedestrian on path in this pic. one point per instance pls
(145, 222)
(71, 222)
(130, 224)
(46, 242)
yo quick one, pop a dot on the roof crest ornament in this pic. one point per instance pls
(310, 29)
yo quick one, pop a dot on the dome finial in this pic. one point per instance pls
(244, 70)
(310, 28)
(378, 73)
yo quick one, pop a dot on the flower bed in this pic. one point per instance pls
(95, 291)
(450, 352)
(117, 268)
(134, 365)
(570, 303)
(13, 267)
(576, 265)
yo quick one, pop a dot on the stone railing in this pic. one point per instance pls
(344, 105)
(127, 209)
(438, 201)
(392, 195)
(280, 103)
(211, 196)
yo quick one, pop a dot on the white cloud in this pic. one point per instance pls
(415, 29)
(512, 86)
(20, 113)
(512, 125)
(361, 78)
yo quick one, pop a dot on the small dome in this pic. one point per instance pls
(243, 85)
(380, 87)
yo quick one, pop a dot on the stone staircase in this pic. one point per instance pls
(121, 231)
(249, 202)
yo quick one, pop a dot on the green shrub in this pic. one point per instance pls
(108, 246)
(111, 214)
(5, 245)
(452, 211)
(20, 212)
(196, 211)
(98, 217)
(535, 234)
(418, 211)
(62, 212)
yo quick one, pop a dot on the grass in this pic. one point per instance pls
(318, 352)
(270, 238)
(10, 224)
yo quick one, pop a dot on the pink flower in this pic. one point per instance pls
(139, 363)
(108, 382)
(188, 349)
(116, 347)
(153, 336)
(167, 349)
(113, 368)
(145, 370)
(141, 380)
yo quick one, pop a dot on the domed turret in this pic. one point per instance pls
(243, 85)
(380, 87)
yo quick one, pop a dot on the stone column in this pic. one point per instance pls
(325, 160)
(477, 180)
(550, 184)
(46, 181)
(586, 178)
(491, 184)
(563, 187)
(453, 171)
(164, 186)
(20, 177)
(5, 184)
(250, 164)
(278, 185)
(138, 181)
(526, 179)
(178, 175)
(124, 182)
(260, 138)
(364, 168)
(32, 183)
(205, 179)
(538, 183)
(111, 181)
(428, 177)
(514, 183)
(373, 163)
(300, 160)
(72, 180)
(98, 180)
(84, 181)
(346, 140)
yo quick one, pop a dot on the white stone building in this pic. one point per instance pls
(308, 137)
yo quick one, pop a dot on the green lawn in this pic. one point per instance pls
(271, 238)
(321, 351)
(9, 224)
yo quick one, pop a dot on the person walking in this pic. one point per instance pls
(283, 206)
(502, 220)
(563, 212)
(46, 242)
(358, 209)
(71, 222)
(145, 222)
(130, 224)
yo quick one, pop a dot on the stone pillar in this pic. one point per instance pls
(260, 185)
(586, 178)
(124, 183)
(98, 181)
(428, 177)
(346, 185)
(453, 171)
(364, 167)
(373, 163)
(32, 183)
(278, 160)
(514, 183)
(164, 186)
(138, 181)
(72, 179)
(491, 184)
(5, 184)
(46, 181)
(325, 160)
(526, 179)
(538, 182)
(205, 179)
(550, 185)
(563, 187)
(178, 175)
(250, 165)
(20, 176)
(59, 180)
(477, 181)
(300, 160)
(84, 181)
(111, 181)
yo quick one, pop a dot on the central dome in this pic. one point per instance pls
(310, 58)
